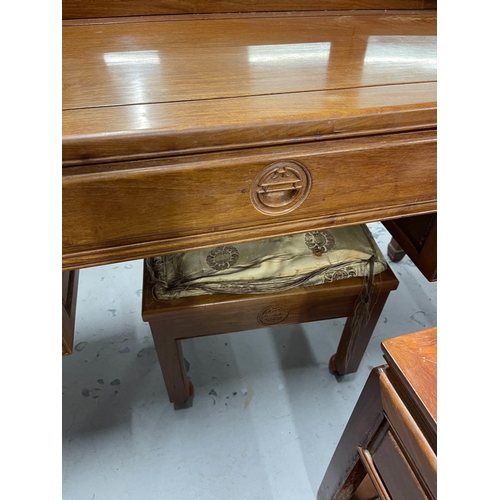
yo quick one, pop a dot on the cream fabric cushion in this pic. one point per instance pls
(268, 266)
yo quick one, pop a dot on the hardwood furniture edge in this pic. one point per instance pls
(419, 413)
(83, 258)
(309, 131)
(409, 395)
(418, 410)
(431, 334)
(243, 15)
(73, 9)
(406, 423)
(153, 309)
(223, 156)
(243, 146)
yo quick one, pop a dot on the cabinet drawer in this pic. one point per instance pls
(140, 209)
(424, 459)
(395, 472)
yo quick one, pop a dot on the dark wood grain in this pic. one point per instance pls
(74, 9)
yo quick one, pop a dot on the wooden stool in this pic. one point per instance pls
(171, 321)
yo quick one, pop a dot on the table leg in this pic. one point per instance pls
(69, 294)
(394, 251)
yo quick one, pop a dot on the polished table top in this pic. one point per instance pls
(268, 78)
(167, 122)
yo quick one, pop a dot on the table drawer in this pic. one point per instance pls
(138, 209)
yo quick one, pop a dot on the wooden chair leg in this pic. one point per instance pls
(353, 344)
(394, 251)
(346, 472)
(169, 351)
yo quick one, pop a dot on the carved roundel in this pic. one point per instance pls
(273, 315)
(222, 257)
(280, 187)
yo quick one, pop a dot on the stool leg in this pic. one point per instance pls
(169, 351)
(353, 344)
(394, 251)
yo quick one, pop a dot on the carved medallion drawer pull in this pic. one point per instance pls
(280, 187)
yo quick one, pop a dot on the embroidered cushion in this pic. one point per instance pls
(267, 266)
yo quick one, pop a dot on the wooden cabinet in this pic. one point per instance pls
(392, 433)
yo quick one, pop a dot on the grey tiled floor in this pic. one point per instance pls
(266, 415)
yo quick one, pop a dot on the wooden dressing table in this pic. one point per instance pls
(188, 127)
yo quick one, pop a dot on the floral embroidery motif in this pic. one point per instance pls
(340, 274)
(222, 257)
(319, 242)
